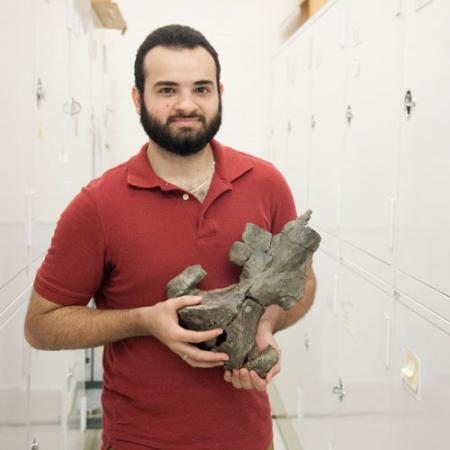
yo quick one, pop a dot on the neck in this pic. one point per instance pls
(182, 171)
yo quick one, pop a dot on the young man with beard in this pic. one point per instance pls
(182, 200)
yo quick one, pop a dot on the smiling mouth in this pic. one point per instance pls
(186, 120)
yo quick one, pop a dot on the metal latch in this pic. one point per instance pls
(409, 104)
(34, 445)
(340, 390)
(349, 115)
(40, 93)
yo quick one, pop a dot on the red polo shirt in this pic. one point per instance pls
(120, 240)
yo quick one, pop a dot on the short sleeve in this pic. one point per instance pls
(73, 268)
(283, 205)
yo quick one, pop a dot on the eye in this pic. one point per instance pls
(202, 89)
(166, 90)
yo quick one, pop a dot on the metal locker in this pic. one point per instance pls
(327, 102)
(423, 213)
(369, 163)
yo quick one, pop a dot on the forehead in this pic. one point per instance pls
(178, 65)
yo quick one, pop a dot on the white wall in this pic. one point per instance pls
(245, 33)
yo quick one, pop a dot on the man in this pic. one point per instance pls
(182, 200)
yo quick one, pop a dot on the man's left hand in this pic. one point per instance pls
(245, 379)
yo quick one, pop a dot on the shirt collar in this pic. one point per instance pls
(230, 165)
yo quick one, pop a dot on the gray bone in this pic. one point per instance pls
(274, 271)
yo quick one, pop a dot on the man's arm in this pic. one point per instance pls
(49, 326)
(274, 319)
(278, 319)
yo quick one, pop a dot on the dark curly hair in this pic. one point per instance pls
(175, 36)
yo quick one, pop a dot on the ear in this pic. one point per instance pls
(221, 88)
(136, 99)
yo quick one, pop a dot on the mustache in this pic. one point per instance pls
(182, 116)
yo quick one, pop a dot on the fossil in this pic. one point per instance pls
(274, 271)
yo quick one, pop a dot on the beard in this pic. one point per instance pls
(185, 141)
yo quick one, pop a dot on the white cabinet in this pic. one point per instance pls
(298, 103)
(369, 161)
(420, 419)
(13, 382)
(279, 111)
(46, 156)
(50, 151)
(81, 130)
(46, 399)
(17, 97)
(377, 165)
(365, 330)
(317, 359)
(56, 386)
(424, 183)
(328, 112)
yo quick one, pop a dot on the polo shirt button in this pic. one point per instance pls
(185, 196)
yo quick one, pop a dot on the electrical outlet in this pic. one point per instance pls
(410, 373)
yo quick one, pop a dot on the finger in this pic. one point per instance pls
(245, 379)
(258, 382)
(272, 372)
(196, 337)
(194, 363)
(227, 376)
(203, 365)
(185, 300)
(205, 355)
(235, 379)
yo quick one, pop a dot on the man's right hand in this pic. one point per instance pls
(161, 322)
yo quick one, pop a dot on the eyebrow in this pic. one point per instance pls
(204, 82)
(172, 83)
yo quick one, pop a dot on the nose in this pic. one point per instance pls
(186, 103)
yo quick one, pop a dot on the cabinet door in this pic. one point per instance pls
(50, 153)
(369, 164)
(424, 184)
(420, 419)
(299, 119)
(56, 388)
(328, 110)
(314, 364)
(73, 413)
(82, 123)
(17, 97)
(279, 111)
(13, 382)
(46, 398)
(366, 314)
